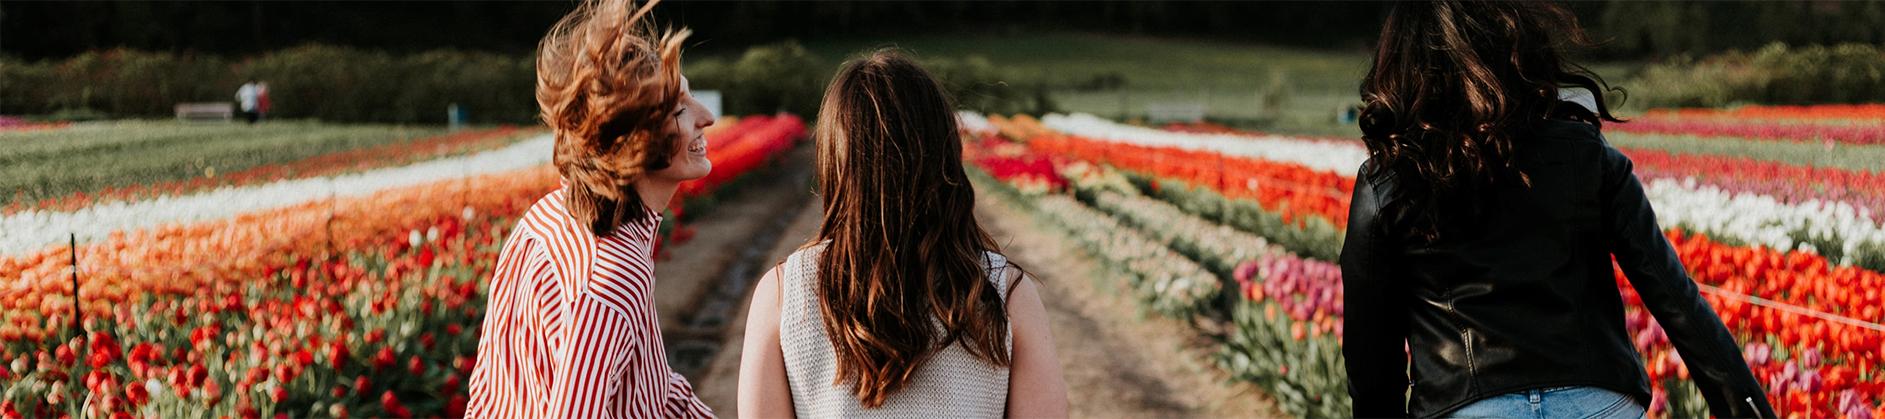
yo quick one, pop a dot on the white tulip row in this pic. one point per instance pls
(1329, 156)
(1747, 217)
(974, 123)
(1762, 220)
(34, 230)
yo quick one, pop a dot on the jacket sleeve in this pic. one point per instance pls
(1650, 263)
(1375, 313)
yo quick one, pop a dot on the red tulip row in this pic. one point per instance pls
(1864, 111)
(9, 123)
(1813, 358)
(748, 144)
(1859, 134)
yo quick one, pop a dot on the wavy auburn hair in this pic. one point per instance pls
(1453, 82)
(904, 274)
(608, 85)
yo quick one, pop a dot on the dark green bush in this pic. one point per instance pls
(334, 83)
(1775, 74)
(312, 81)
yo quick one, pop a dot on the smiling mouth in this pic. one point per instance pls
(698, 146)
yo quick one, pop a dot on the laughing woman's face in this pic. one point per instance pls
(689, 160)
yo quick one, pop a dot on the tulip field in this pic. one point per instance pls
(344, 283)
(1238, 233)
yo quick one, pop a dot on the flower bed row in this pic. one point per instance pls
(1789, 183)
(11, 123)
(1864, 111)
(1297, 360)
(390, 155)
(1851, 134)
(32, 231)
(273, 312)
(1167, 282)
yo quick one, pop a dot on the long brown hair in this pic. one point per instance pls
(905, 253)
(1453, 82)
(607, 84)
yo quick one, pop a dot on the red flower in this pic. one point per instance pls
(392, 405)
(415, 365)
(360, 385)
(304, 358)
(456, 407)
(383, 359)
(337, 355)
(66, 356)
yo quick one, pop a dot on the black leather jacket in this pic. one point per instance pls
(1526, 299)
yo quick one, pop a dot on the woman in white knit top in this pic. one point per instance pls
(900, 307)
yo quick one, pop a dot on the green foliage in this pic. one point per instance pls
(1306, 375)
(313, 81)
(786, 77)
(771, 78)
(1777, 73)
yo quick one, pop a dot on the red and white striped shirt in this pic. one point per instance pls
(570, 329)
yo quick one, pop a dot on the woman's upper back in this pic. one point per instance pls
(952, 380)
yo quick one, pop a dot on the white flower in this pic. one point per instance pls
(1337, 157)
(154, 387)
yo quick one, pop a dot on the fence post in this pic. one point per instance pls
(78, 322)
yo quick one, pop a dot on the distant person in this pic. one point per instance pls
(1483, 227)
(249, 97)
(570, 330)
(901, 306)
(261, 101)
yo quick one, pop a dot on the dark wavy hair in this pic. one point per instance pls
(906, 254)
(1453, 83)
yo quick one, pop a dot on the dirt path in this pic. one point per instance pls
(1117, 362)
(703, 283)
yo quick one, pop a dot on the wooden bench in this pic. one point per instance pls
(206, 111)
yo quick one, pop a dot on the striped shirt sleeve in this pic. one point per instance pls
(681, 401)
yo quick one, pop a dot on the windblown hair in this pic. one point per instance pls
(608, 85)
(1453, 82)
(904, 274)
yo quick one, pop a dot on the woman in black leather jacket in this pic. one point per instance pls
(1483, 228)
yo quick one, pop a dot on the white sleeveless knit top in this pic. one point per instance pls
(952, 383)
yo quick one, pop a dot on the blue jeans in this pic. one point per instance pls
(1557, 402)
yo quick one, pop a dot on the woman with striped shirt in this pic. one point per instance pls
(570, 330)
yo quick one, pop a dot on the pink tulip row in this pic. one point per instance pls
(1855, 134)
